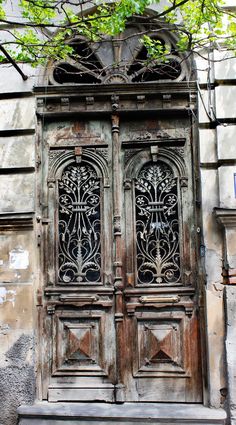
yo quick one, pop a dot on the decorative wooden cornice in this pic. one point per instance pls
(101, 89)
(67, 101)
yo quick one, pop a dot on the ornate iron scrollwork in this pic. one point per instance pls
(79, 256)
(94, 63)
(157, 225)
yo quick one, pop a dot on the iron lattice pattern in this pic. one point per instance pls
(157, 225)
(79, 225)
(95, 64)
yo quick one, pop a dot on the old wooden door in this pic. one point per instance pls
(120, 282)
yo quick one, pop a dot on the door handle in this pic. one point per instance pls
(153, 299)
(79, 298)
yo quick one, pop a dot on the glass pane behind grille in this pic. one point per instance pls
(157, 225)
(79, 250)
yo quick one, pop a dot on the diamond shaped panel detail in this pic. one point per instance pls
(160, 342)
(79, 344)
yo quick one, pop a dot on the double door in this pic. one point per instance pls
(120, 298)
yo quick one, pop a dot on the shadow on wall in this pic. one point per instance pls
(17, 380)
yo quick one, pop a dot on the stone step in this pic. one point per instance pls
(44, 413)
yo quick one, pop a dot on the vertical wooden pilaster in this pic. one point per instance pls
(117, 231)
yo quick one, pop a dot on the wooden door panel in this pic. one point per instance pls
(164, 356)
(162, 391)
(81, 360)
(160, 302)
(80, 343)
(159, 344)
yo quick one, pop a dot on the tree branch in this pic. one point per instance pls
(11, 60)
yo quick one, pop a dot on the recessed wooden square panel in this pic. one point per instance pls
(79, 342)
(159, 346)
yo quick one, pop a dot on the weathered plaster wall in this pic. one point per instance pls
(17, 374)
(218, 166)
(212, 238)
(17, 380)
(17, 245)
(225, 75)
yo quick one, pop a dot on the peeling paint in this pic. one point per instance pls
(15, 243)
(7, 295)
(4, 329)
(19, 259)
(17, 379)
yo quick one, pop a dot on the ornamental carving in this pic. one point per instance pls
(129, 153)
(180, 151)
(103, 153)
(53, 155)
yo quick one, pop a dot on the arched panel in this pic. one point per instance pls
(59, 159)
(167, 156)
(79, 225)
(78, 182)
(158, 192)
(157, 225)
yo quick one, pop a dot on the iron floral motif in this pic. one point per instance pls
(157, 225)
(79, 225)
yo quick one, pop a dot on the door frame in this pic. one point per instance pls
(125, 101)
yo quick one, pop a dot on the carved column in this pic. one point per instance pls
(118, 269)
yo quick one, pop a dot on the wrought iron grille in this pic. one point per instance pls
(94, 63)
(157, 225)
(79, 256)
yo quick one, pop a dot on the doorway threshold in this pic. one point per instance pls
(44, 413)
